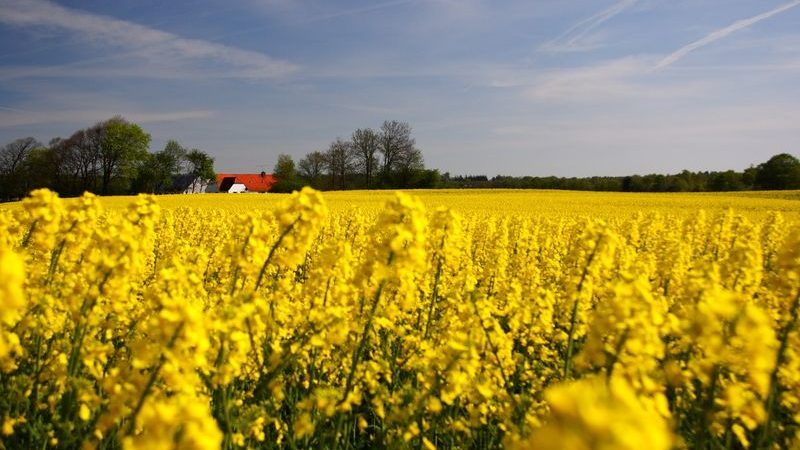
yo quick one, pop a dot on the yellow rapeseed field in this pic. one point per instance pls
(431, 319)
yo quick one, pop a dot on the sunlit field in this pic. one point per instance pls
(425, 319)
(500, 201)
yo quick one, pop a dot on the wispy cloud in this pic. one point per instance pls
(356, 11)
(169, 116)
(6, 108)
(14, 118)
(153, 45)
(721, 33)
(120, 67)
(570, 40)
(626, 79)
(305, 12)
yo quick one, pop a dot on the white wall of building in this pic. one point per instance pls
(237, 188)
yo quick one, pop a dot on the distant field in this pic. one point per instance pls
(532, 202)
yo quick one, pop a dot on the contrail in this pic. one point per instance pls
(580, 29)
(721, 33)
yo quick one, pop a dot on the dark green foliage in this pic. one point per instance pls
(200, 168)
(386, 158)
(286, 175)
(14, 167)
(110, 157)
(123, 150)
(157, 169)
(780, 172)
(312, 168)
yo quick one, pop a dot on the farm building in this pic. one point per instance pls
(190, 184)
(245, 182)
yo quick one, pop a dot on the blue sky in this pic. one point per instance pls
(516, 87)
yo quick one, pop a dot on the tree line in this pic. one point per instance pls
(113, 158)
(386, 158)
(110, 158)
(782, 171)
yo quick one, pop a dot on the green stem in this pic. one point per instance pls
(26, 240)
(272, 253)
(494, 350)
(574, 314)
(152, 380)
(362, 344)
(615, 356)
(705, 414)
(57, 255)
(780, 359)
(434, 298)
(235, 276)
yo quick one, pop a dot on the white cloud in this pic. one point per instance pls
(156, 46)
(721, 33)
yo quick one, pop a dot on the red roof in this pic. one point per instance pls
(254, 182)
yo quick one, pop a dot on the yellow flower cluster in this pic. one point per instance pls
(12, 304)
(386, 320)
(595, 414)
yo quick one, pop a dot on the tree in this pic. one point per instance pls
(41, 169)
(123, 148)
(286, 174)
(339, 161)
(169, 164)
(311, 167)
(80, 158)
(149, 176)
(409, 163)
(157, 171)
(64, 165)
(173, 157)
(14, 154)
(12, 161)
(689, 181)
(729, 180)
(201, 168)
(749, 177)
(284, 168)
(780, 172)
(427, 179)
(365, 150)
(394, 137)
(111, 156)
